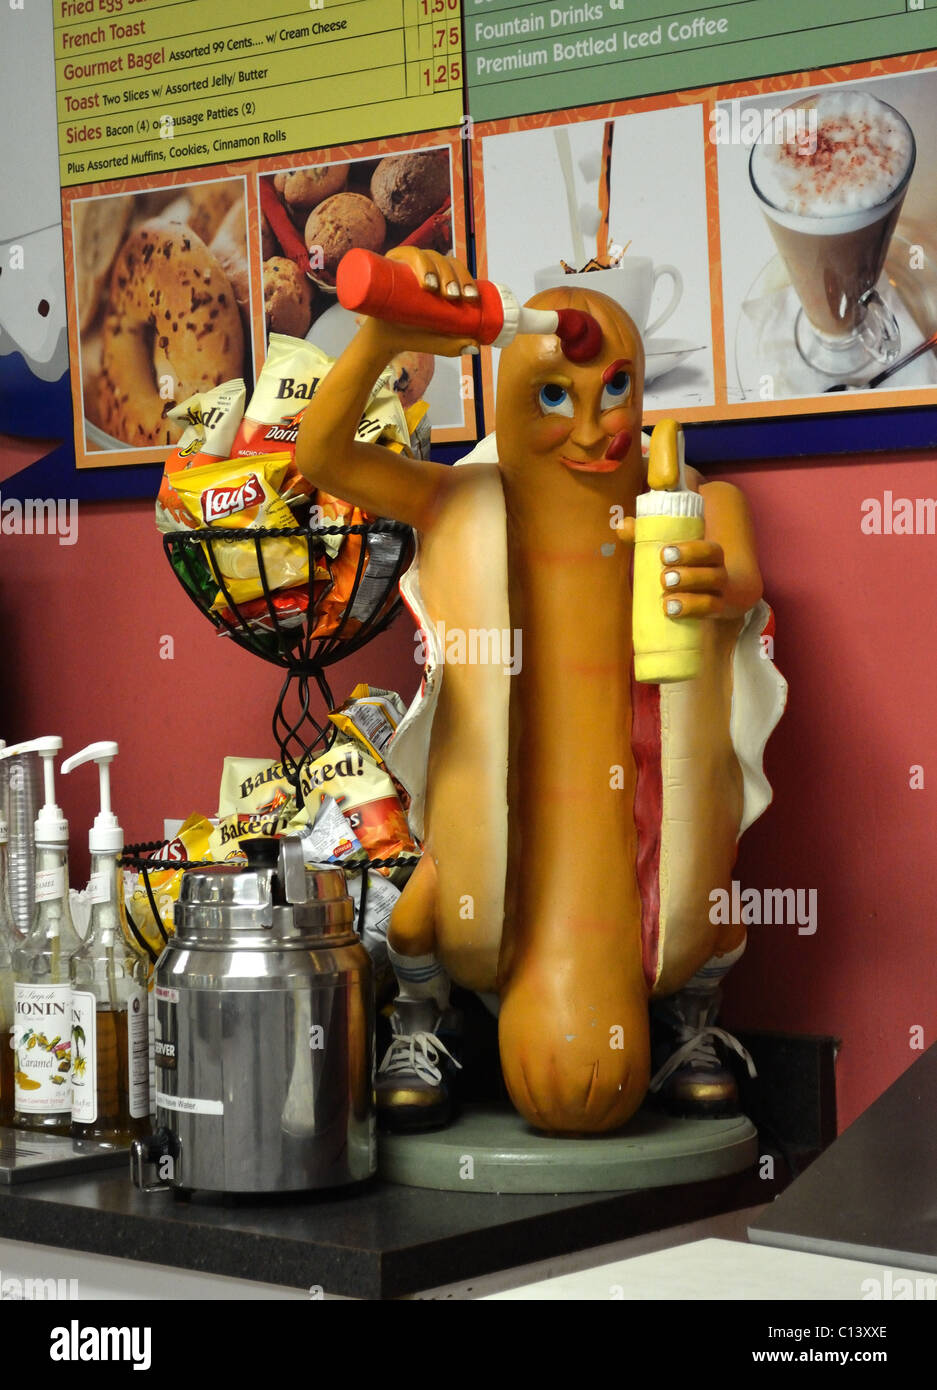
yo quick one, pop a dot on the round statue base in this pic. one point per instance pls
(488, 1149)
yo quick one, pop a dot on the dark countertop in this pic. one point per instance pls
(387, 1241)
(379, 1241)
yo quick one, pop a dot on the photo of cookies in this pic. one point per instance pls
(163, 306)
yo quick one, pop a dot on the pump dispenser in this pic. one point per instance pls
(665, 648)
(41, 991)
(110, 1082)
(8, 942)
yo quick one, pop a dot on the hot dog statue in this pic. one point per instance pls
(575, 820)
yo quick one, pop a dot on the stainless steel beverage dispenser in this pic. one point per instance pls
(264, 1033)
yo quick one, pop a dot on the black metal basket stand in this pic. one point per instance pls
(299, 733)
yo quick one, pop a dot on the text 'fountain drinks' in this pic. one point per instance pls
(831, 174)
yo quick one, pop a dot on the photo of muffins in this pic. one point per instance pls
(408, 188)
(311, 216)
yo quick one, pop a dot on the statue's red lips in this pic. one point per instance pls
(603, 465)
(615, 451)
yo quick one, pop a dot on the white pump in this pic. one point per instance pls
(105, 836)
(51, 826)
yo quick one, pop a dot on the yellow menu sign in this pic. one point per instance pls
(144, 86)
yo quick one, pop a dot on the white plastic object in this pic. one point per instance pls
(51, 829)
(519, 319)
(105, 836)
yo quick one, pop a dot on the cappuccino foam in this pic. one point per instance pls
(851, 162)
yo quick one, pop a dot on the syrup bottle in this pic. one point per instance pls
(41, 990)
(110, 1033)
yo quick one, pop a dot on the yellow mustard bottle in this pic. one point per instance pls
(665, 648)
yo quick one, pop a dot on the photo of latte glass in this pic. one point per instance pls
(832, 203)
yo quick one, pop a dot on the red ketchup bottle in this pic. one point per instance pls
(389, 290)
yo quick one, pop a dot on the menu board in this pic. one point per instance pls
(522, 58)
(150, 85)
(774, 238)
(217, 159)
(178, 283)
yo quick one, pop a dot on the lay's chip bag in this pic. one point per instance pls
(191, 843)
(243, 495)
(210, 419)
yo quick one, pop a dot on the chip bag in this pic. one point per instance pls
(211, 419)
(191, 842)
(253, 784)
(371, 716)
(289, 611)
(288, 380)
(366, 795)
(225, 842)
(242, 495)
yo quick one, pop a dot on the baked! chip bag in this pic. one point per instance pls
(254, 786)
(289, 378)
(366, 795)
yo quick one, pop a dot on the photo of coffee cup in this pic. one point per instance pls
(631, 284)
(830, 174)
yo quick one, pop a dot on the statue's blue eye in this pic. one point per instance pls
(616, 390)
(555, 399)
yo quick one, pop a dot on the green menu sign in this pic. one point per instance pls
(527, 57)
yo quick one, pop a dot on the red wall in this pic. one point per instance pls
(82, 628)
(856, 625)
(85, 626)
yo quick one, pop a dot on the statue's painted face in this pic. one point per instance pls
(583, 418)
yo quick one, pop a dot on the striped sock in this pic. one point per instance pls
(420, 977)
(710, 975)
